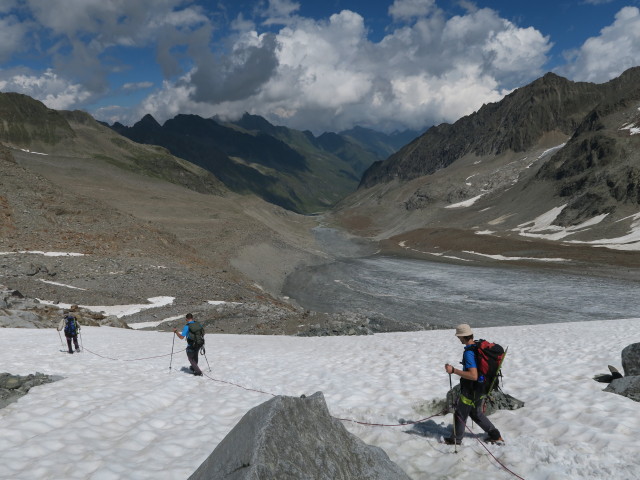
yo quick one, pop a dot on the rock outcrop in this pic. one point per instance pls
(631, 359)
(12, 387)
(288, 437)
(627, 387)
(498, 400)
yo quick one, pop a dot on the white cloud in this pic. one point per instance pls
(318, 74)
(408, 9)
(52, 90)
(606, 56)
(137, 86)
(12, 36)
(279, 12)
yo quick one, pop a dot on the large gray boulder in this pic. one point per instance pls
(295, 438)
(631, 360)
(627, 387)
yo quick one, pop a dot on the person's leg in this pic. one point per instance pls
(68, 343)
(461, 415)
(75, 342)
(478, 416)
(192, 355)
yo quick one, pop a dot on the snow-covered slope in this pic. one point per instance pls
(121, 412)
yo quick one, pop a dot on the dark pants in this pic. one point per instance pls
(192, 355)
(463, 411)
(75, 342)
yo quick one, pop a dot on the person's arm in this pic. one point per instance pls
(471, 374)
(180, 336)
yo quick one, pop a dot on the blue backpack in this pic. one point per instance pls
(71, 328)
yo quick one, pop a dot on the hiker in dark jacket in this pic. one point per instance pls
(71, 329)
(472, 392)
(192, 350)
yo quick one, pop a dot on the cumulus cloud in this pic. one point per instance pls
(52, 90)
(327, 75)
(322, 74)
(12, 36)
(408, 9)
(606, 56)
(238, 75)
(279, 12)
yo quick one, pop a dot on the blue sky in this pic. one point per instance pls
(322, 66)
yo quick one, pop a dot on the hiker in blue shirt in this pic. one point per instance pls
(192, 347)
(472, 392)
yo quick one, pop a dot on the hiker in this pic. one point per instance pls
(71, 329)
(190, 331)
(472, 392)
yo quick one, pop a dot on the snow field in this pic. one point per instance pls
(113, 419)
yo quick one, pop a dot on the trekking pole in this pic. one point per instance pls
(204, 352)
(60, 338)
(455, 440)
(172, 343)
(81, 344)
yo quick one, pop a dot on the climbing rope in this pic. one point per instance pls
(337, 418)
(130, 360)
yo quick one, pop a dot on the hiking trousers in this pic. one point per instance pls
(73, 338)
(464, 411)
(192, 355)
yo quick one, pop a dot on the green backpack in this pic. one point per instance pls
(196, 335)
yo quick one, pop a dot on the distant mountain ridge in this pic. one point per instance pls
(28, 124)
(287, 167)
(515, 123)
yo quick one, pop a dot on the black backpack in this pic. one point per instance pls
(71, 327)
(195, 338)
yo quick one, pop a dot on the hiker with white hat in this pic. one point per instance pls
(472, 392)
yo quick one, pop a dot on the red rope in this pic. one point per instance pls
(391, 424)
(489, 452)
(341, 419)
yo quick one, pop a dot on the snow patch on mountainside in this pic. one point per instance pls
(505, 258)
(542, 227)
(466, 203)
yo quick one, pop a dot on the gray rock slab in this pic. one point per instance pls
(295, 438)
(626, 386)
(19, 319)
(631, 359)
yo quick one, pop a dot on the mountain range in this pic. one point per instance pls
(553, 163)
(205, 208)
(286, 167)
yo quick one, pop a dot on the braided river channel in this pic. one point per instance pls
(444, 295)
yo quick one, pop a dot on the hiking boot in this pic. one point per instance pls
(489, 439)
(70, 351)
(452, 441)
(191, 368)
(197, 374)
